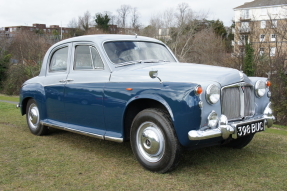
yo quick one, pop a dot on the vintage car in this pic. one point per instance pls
(128, 87)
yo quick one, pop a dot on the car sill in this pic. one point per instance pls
(115, 139)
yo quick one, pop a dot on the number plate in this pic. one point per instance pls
(250, 128)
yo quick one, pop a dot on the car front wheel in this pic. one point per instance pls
(154, 142)
(33, 119)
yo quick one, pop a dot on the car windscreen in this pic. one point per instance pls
(129, 51)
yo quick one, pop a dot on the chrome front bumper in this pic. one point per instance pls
(226, 129)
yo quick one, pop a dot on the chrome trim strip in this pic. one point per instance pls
(134, 40)
(73, 130)
(108, 138)
(119, 140)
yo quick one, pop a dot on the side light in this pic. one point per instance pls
(198, 90)
(268, 83)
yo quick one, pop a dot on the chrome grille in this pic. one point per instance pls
(237, 101)
(248, 101)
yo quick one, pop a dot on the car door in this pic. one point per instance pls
(54, 83)
(84, 90)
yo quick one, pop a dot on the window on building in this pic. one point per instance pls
(273, 37)
(31, 29)
(245, 27)
(243, 39)
(263, 24)
(261, 51)
(275, 10)
(262, 37)
(245, 14)
(11, 29)
(263, 11)
(272, 51)
(44, 30)
(274, 24)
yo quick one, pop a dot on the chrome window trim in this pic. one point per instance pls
(132, 40)
(90, 45)
(52, 52)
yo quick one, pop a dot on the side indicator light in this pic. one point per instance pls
(268, 83)
(198, 90)
(129, 89)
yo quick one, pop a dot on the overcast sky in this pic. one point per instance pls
(55, 12)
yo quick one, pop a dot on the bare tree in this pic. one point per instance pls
(123, 12)
(183, 10)
(135, 19)
(85, 21)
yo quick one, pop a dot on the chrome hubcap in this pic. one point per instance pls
(150, 142)
(33, 116)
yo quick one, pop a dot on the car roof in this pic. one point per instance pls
(100, 38)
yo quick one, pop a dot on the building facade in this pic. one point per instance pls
(263, 24)
(37, 28)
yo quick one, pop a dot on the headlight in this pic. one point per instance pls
(212, 94)
(260, 88)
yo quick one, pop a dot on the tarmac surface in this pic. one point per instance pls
(13, 102)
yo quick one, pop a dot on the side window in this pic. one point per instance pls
(87, 57)
(83, 59)
(98, 63)
(59, 60)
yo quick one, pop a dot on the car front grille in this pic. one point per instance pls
(237, 101)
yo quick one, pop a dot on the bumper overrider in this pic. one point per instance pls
(226, 129)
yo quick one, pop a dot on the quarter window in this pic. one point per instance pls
(59, 60)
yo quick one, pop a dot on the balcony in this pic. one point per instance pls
(244, 30)
(244, 19)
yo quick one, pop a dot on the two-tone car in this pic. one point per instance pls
(132, 88)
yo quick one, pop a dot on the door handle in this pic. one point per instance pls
(62, 81)
(66, 80)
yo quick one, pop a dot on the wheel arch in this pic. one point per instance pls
(139, 103)
(24, 105)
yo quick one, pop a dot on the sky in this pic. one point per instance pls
(61, 12)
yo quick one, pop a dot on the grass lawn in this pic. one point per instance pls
(67, 161)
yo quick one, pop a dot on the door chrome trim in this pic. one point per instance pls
(108, 138)
(73, 130)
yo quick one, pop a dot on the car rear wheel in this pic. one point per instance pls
(33, 119)
(240, 142)
(154, 142)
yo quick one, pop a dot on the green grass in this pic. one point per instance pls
(9, 98)
(67, 161)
